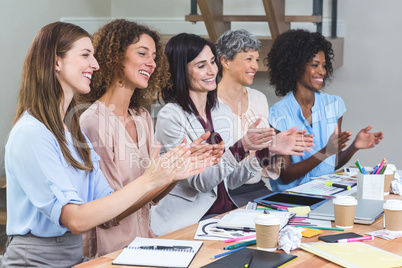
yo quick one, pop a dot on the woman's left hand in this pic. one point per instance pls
(292, 142)
(366, 140)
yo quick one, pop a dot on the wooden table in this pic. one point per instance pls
(304, 259)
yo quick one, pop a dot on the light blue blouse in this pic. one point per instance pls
(326, 111)
(40, 182)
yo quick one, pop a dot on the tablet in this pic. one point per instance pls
(286, 199)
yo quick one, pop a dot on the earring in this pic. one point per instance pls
(120, 83)
(58, 69)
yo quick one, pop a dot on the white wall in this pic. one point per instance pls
(368, 80)
(19, 22)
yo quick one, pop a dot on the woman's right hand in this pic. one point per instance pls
(257, 138)
(177, 164)
(337, 142)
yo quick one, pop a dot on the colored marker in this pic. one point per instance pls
(355, 239)
(330, 183)
(227, 252)
(242, 244)
(320, 228)
(240, 238)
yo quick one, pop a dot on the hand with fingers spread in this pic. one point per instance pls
(292, 142)
(257, 138)
(366, 140)
(199, 147)
(337, 142)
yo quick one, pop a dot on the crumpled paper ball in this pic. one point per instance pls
(290, 238)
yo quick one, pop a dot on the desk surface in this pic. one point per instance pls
(305, 259)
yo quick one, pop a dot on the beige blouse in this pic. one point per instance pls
(121, 161)
(257, 107)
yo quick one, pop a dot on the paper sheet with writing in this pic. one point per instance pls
(207, 231)
(318, 187)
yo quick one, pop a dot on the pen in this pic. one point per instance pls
(227, 252)
(240, 238)
(166, 247)
(375, 170)
(355, 239)
(329, 183)
(249, 259)
(320, 228)
(242, 244)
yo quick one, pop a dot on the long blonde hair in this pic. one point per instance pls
(41, 93)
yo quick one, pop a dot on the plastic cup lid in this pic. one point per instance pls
(393, 205)
(345, 201)
(267, 220)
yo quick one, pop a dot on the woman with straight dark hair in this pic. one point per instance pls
(191, 109)
(55, 189)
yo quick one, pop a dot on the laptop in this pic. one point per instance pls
(367, 211)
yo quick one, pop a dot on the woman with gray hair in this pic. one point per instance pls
(238, 56)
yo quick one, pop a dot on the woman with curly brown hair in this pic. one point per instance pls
(300, 62)
(132, 68)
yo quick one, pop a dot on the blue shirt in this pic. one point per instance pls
(326, 111)
(40, 181)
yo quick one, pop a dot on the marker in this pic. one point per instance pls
(249, 259)
(355, 239)
(226, 253)
(242, 244)
(240, 238)
(320, 228)
(329, 183)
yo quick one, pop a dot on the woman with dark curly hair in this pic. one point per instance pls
(132, 68)
(300, 62)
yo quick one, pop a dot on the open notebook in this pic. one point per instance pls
(159, 252)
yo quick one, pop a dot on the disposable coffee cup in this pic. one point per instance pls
(393, 215)
(267, 231)
(344, 208)
(389, 175)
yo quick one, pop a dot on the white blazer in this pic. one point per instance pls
(187, 203)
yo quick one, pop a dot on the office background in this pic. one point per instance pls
(368, 81)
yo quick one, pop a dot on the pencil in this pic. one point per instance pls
(226, 253)
(320, 228)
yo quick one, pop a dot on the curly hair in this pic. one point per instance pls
(291, 51)
(110, 44)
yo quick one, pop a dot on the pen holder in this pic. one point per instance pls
(370, 186)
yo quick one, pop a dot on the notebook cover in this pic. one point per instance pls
(261, 258)
(335, 237)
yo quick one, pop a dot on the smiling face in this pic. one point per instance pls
(140, 62)
(74, 71)
(313, 77)
(243, 67)
(202, 72)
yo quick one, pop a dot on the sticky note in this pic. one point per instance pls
(311, 232)
(300, 211)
